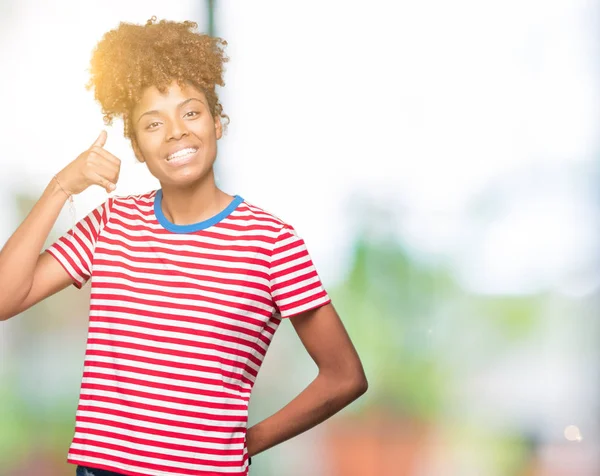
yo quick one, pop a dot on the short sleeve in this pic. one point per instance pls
(295, 284)
(75, 249)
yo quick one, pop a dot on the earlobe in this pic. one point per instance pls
(137, 151)
(218, 127)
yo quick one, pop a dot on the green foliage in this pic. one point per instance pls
(406, 318)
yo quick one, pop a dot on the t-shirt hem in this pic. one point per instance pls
(76, 282)
(312, 307)
(126, 472)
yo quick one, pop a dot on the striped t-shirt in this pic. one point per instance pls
(181, 317)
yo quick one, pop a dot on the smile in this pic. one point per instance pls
(181, 156)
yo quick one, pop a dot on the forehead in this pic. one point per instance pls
(153, 99)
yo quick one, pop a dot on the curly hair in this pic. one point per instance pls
(132, 57)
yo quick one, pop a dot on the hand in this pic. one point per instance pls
(95, 166)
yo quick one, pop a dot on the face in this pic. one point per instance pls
(175, 134)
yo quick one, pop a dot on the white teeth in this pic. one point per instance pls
(182, 153)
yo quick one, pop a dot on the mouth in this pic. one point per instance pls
(182, 156)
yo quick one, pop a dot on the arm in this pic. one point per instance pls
(26, 276)
(23, 271)
(340, 381)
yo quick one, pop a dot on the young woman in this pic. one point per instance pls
(188, 283)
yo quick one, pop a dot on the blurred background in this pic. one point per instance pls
(441, 160)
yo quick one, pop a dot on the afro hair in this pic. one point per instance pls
(131, 58)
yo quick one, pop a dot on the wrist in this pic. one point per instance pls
(53, 190)
(61, 186)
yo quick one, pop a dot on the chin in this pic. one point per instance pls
(185, 177)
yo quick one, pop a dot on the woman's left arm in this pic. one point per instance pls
(340, 381)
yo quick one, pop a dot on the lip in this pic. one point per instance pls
(177, 162)
(178, 147)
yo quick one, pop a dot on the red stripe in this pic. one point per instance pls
(245, 308)
(159, 432)
(90, 399)
(170, 244)
(149, 466)
(196, 354)
(176, 284)
(294, 280)
(58, 255)
(298, 291)
(130, 439)
(302, 302)
(114, 220)
(158, 455)
(183, 264)
(292, 269)
(142, 325)
(162, 386)
(60, 249)
(198, 344)
(167, 363)
(194, 276)
(160, 397)
(159, 421)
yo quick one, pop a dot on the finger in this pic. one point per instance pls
(101, 140)
(105, 183)
(108, 171)
(107, 155)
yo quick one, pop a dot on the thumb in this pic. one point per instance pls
(101, 140)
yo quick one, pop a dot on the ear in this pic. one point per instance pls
(136, 150)
(218, 127)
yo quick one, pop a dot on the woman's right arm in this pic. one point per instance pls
(26, 276)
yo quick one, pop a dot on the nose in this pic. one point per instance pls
(177, 130)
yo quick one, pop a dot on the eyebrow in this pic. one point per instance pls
(154, 111)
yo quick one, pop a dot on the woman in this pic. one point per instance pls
(188, 283)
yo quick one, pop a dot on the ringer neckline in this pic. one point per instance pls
(202, 225)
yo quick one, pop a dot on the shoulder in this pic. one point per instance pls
(142, 200)
(264, 217)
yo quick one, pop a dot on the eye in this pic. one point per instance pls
(191, 114)
(153, 125)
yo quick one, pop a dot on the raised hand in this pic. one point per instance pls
(94, 166)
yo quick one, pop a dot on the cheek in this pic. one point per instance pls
(150, 144)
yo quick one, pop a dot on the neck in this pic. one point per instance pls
(186, 205)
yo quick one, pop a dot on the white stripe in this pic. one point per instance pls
(244, 346)
(296, 285)
(175, 238)
(143, 459)
(164, 392)
(236, 432)
(167, 405)
(119, 467)
(200, 360)
(162, 269)
(226, 232)
(197, 452)
(163, 415)
(100, 333)
(112, 373)
(192, 453)
(173, 371)
(161, 303)
(299, 297)
(59, 249)
(239, 288)
(150, 434)
(305, 307)
(175, 293)
(148, 250)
